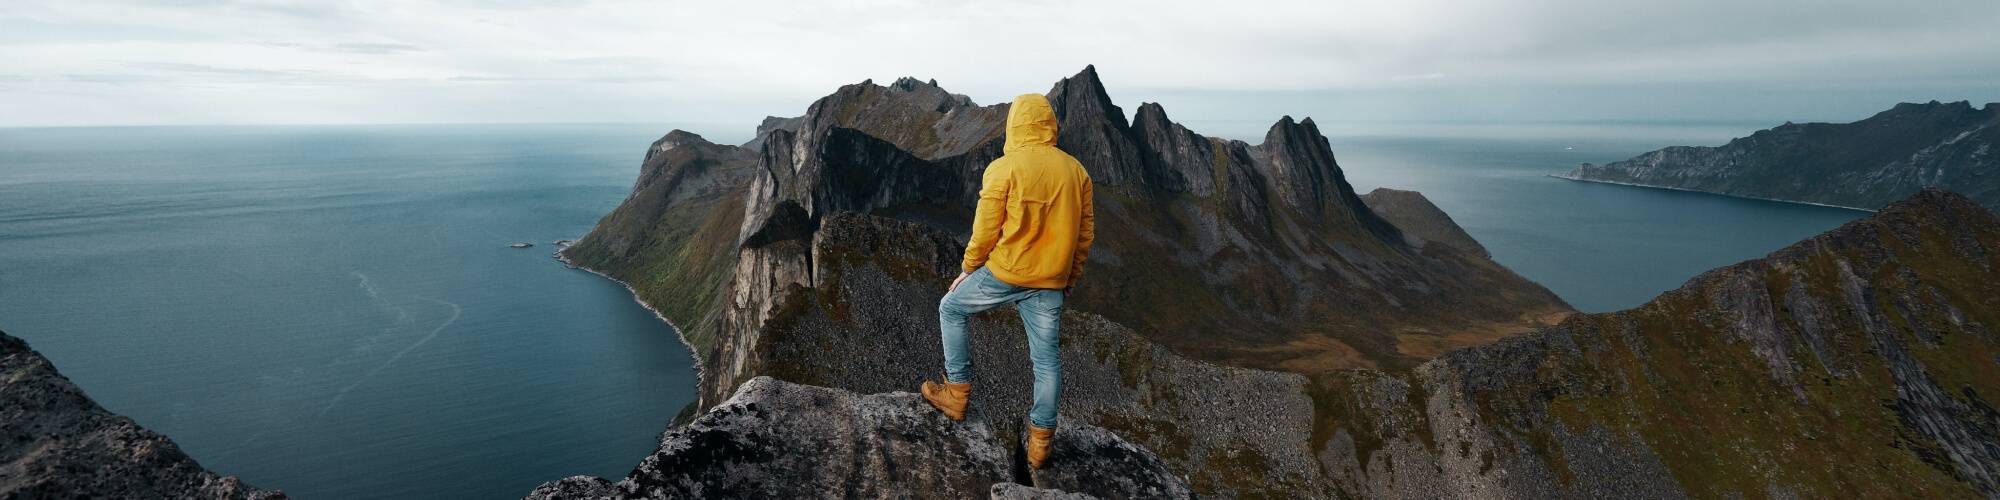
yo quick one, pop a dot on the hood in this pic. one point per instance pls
(1030, 122)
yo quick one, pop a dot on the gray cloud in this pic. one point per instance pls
(616, 60)
(375, 48)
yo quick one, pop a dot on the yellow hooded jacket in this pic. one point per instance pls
(1034, 225)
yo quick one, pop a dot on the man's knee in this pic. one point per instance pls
(949, 306)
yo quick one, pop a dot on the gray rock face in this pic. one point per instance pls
(572, 487)
(1865, 164)
(780, 440)
(1096, 462)
(1011, 491)
(1422, 222)
(57, 443)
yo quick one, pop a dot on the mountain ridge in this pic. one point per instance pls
(1279, 207)
(842, 241)
(1863, 165)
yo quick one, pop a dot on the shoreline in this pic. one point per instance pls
(1686, 190)
(700, 370)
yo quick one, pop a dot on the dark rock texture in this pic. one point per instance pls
(780, 440)
(1012, 491)
(1096, 462)
(1865, 164)
(1422, 222)
(57, 443)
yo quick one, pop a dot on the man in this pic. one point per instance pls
(1029, 240)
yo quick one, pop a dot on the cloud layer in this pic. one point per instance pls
(249, 61)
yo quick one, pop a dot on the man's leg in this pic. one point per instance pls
(976, 294)
(1041, 313)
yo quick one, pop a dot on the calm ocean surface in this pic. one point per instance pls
(334, 311)
(1601, 247)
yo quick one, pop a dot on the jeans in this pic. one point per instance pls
(1041, 313)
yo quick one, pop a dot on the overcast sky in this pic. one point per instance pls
(87, 62)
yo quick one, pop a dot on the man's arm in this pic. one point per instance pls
(986, 220)
(1086, 232)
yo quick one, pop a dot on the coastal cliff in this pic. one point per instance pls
(1249, 255)
(1261, 330)
(57, 443)
(1865, 164)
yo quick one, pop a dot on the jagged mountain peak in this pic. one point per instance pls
(1084, 93)
(911, 83)
(677, 138)
(1177, 211)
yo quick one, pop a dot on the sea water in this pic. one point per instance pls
(336, 311)
(1601, 247)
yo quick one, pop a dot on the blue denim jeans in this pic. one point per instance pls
(1041, 313)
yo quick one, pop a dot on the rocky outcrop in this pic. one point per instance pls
(57, 443)
(1013, 491)
(780, 440)
(1865, 164)
(865, 321)
(1422, 222)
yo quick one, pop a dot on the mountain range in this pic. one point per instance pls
(1262, 330)
(1866, 164)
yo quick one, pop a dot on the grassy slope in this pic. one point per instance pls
(1672, 375)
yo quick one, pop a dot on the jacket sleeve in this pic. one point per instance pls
(1086, 232)
(986, 220)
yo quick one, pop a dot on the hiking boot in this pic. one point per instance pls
(948, 397)
(1038, 445)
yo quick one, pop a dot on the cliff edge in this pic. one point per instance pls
(57, 443)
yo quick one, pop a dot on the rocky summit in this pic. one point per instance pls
(1258, 329)
(57, 443)
(781, 440)
(1865, 164)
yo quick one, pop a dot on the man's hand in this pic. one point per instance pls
(954, 282)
